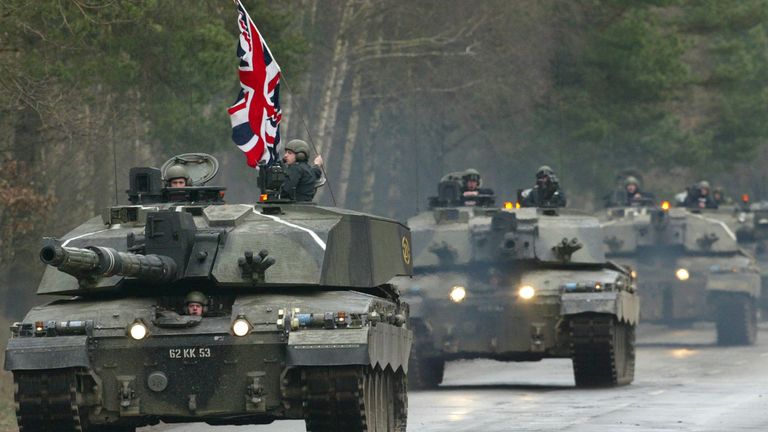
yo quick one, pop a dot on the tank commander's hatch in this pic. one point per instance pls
(201, 167)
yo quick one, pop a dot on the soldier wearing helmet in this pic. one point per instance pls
(472, 193)
(176, 176)
(301, 178)
(633, 195)
(699, 196)
(196, 303)
(546, 192)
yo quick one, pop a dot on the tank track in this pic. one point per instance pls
(736, 319)
(46, 401)
(603, 351)
(354, 399)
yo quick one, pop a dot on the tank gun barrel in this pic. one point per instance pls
(96, 261)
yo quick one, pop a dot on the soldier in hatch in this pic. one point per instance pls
(470, 188)
(301, 178)
(546, 192)
(700, 197)
(177, 176)
(196, 303)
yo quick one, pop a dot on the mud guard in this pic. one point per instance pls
(32, 353)
(382, 344)
(625, 306)
(746, 283)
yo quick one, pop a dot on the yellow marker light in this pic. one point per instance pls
(458, 293)
(509, 205)
(263, 197)
(517, 204)
(633, 274)
(526, 292)
(241, 327)
(138, 330)
(665, 205)
(682, 274)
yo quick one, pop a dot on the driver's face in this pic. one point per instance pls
(631, 188)
(195, 309)
(472, 184)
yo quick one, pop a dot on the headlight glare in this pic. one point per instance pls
(241, 327)
(526, 292)
(138, 330)
(458, 293)
(682, 274)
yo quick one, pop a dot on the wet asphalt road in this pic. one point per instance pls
(683, 383)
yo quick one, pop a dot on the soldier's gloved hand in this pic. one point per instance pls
(319, 160)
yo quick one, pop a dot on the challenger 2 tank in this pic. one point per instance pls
(690, 268)
(749, 221)
(516, 285)
(299, 319)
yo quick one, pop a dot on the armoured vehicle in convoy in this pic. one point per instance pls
(690, 268)
(749, 221)
(300, 321)
(516, 285)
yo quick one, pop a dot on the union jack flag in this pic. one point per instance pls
(256, 115)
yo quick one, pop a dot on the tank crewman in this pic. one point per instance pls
(196, 303)
(633, 194)
(301, 178)
(718, 194)
(546, 192)
(471, 183)
(177, 176)
(700, 197)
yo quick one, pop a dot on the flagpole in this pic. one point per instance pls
(301, 116)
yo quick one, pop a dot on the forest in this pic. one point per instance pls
(392, 93)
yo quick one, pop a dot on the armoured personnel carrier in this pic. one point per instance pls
(517, 285)
(300, 321)
(690, 268)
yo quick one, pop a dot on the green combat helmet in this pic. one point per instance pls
(196, 297)
(631, 180)
(177, 171)
(299, 146)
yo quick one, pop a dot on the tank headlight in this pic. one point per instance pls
(458, 293)
(241, 327)
(526, 292)
(682, 274)
(138, 330)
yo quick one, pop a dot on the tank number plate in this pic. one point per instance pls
(189, 353)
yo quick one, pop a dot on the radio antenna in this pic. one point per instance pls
(114, 157)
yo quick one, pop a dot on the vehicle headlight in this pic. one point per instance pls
(526, 292)
(241, 327)
(138, 330)
(458, 293)
(682, 274)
